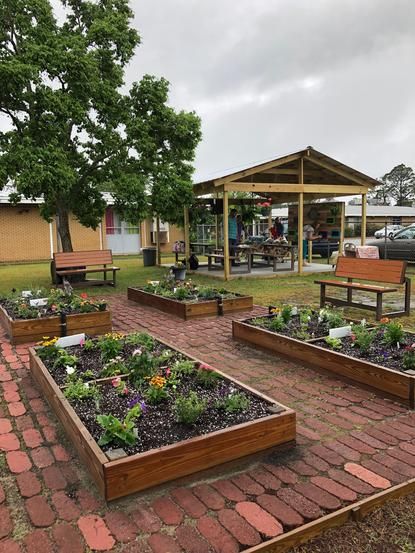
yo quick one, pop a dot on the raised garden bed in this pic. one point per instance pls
(187, 301)
(164, 447)
(60, 316)
(380, 367)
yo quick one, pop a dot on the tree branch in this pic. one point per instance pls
(15, 120)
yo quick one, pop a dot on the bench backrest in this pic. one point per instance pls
(82, 259)
(379, 270)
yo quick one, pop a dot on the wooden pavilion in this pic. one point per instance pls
(295, 178)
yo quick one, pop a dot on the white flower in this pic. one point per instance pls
(86, 385)
(363, 322)
(137, 351)
(69, 370)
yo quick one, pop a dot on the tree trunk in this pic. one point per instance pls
(63, 229)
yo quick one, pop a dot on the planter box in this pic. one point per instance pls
(397, 384)
(21, 331)
(137, 472)
(189, 310)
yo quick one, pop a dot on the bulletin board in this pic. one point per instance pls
(328, 214)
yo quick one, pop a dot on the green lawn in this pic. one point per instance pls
(294, 289)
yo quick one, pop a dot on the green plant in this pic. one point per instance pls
(301, 334)
(89, 345)
(393, 333)
(140, 366)
(156, 391)
(276, 323)
(332, 317)
(305, 316)
(47, 350)
(183, 367)
(408, 358)
(114, 367)
(189, 408)
(182, 293)
(234, 402)
(286, 313)
(362, 338)
(207, 377)
(140, 339)
(65, 359)
(110, 345)
(78, 389)
(123, 432)
(333, 343)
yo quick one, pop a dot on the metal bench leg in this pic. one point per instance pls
(114, 277)
(379, 296)
(322, 295)
(209, 263)
(407, 296)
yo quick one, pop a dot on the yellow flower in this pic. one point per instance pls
(158, 381)
(276, 310)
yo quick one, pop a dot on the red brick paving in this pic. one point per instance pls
(351, 443)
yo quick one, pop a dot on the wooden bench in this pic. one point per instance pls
(278, 253)
(78, 263)
(376, 270)
(221, 258)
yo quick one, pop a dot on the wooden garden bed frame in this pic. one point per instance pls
(187, 310)
(394, 383)
(124, 476)
(21, 331)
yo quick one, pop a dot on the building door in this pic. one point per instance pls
(122, 237)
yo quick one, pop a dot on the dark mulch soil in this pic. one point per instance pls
(157, 426)
(379, 353)
(43, 312)
(314, 329)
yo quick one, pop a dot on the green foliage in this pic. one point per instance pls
(207, 377)
(89, 345)
(73, 131)
(398, 184)
(121, 432)
(189, 408)
(332, 317)
(114, 367)
(333, 343)
(286, 313)
(362, 338)
(65, 359)
(305, 316)
(183, 367)
(110, 346)
(276, 323)
(408, 358)
(393, 334)
(234, 402)
(78, 389)
(140, 339)
(140, 367)
(156, 394)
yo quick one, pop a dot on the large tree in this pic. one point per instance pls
(399, 184)
(72, 131)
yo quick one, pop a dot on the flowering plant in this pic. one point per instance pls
(123, 432)
(156, 390)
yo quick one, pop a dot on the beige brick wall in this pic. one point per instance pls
(24, 235)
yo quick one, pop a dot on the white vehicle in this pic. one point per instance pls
(390, 230)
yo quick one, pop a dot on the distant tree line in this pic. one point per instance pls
(397, 187)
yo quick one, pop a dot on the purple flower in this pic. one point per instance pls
(135, 400)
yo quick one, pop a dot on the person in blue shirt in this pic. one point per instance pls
(232, 232)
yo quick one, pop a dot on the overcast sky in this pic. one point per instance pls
(269, 77)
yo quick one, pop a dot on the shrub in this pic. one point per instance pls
(333, 343)
(119, 431)
(207, 377)
(393, 334)
(189, 408)
(362, 338)
(234, 402)
(78, 389)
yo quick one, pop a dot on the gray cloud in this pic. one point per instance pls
(268, 77)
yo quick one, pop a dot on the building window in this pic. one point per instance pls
(396, 220)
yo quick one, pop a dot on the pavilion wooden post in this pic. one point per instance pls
(300, 217)
(186, 236)
(158, 241)
(217, 224)
(225, 236)
(363, 226)
(270, 217)
(342, 222)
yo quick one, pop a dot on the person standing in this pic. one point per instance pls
(309, 234)
(232, 232)
(277, 229)
(240, 229)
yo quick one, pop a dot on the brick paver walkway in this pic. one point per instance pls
(351, 443)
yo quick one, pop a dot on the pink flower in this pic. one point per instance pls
(204, 367)
(125, 391)
(53, 307)
(168, 372)
(82, 342)
(353, 337)
(116, 381)
(84, 295)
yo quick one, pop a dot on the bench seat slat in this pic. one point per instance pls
(357, 286)
(76, 271)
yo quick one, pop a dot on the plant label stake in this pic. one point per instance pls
(67, 341)
(220, 306)
(340, 332)
(63, 324)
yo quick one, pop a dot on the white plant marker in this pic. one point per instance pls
(26, 294)
(40, 302)
(67, 341)
(340, 332)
